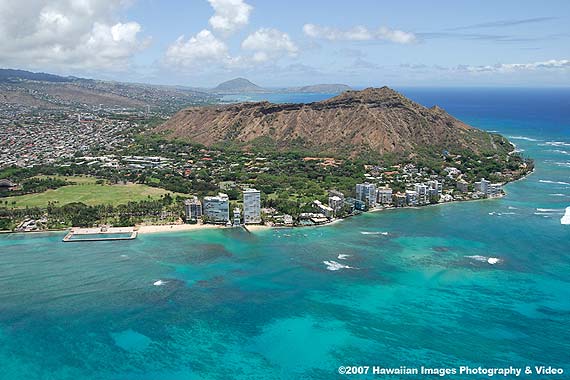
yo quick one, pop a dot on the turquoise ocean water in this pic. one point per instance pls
(231, 305)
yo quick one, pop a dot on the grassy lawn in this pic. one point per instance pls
(88, 192)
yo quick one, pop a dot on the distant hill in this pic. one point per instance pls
(10, 75)
(237, 85)
(53, 91)
(324, 88)
(374, 120)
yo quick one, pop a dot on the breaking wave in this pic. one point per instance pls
(333, 265)
(556, 143)
(566, 217)
(522, 138)
(485, 259)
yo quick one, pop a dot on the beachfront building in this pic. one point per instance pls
(323, 209)
(482, 186)
(336, 203)
(217, 209)
(366, 192)
(422, 193)
(237, 217)
(412, 197)
(495, 190)
(193, 209)
(399, 200)
(251, 206)
(385, 195)
(462, 186)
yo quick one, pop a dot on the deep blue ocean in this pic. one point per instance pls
(416, 288)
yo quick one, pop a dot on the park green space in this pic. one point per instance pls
(89, 191)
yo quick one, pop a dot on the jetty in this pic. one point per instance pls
(77, 234)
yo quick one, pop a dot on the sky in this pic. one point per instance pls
(200, 43)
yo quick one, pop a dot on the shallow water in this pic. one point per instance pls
(229, 304)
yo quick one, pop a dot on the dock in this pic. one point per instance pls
(100, 234)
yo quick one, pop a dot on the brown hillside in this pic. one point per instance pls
(375, 119)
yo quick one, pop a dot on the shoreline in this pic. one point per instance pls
(162, 228)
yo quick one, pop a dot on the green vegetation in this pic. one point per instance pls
(87, 191)
(85, 194)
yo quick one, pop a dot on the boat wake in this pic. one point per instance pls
(495, 213)
(554, 182)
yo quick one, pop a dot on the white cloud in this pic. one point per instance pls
(229, 16)
(359, 33)
(202, 48)
(66, 34)
(267, 44)
(552, 64)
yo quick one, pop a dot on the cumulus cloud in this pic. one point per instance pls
(202, 48)
(208, 50)
(229, 16)
(359, 33)
(268, 43)
(73, 34)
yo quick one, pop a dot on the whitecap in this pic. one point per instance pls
(343, 256)
(374, 233)
(566, 218)
(556, 143)
(522, 138)
(485, 259)
(333, 265)
(556, 210)
(557, 195)
(561, 151)
(512, 208)
(159, 283)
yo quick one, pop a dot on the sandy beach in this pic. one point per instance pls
(257, 227)
(144, 229)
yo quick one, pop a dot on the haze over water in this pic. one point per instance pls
(419, 290)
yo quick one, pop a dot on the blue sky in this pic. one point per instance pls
(286, 43)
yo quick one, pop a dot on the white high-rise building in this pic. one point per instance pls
(483, 186)
(385, 195)
(251, 206)
(366, 192)
(217, 209)
(193, 208)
